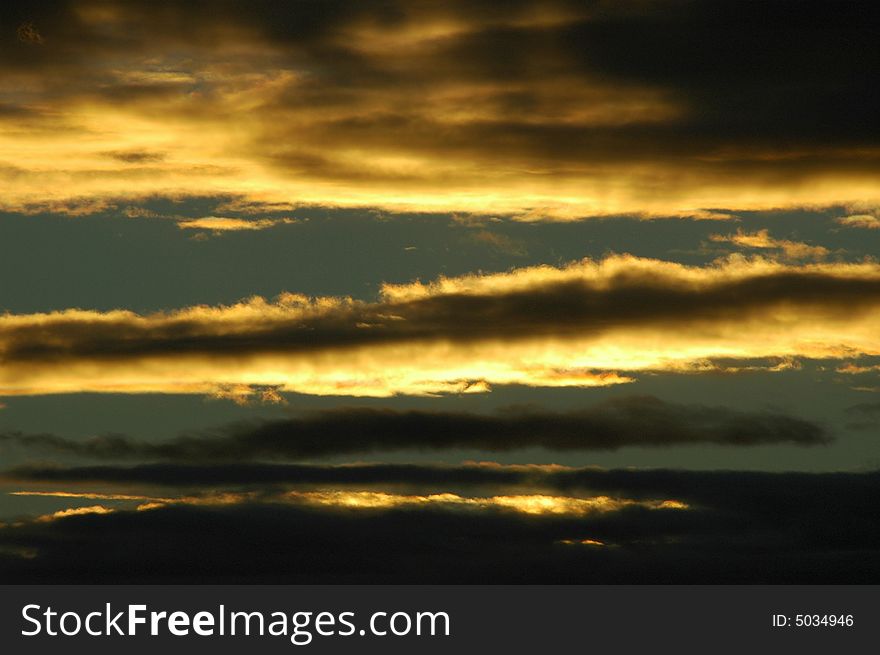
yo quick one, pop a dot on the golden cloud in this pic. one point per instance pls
(761, 240)
(532, 504)
(590, 323)
(429, 112)
(867, 221)
(224, 224)
(74, 511)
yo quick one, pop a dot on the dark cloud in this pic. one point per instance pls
(256, 475)
(740, 527)
(761, 70)
(641, 421)
(765, 528)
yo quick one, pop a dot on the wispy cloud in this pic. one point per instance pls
(761, 240)
(866, 221)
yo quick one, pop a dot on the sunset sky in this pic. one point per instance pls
(413, 291)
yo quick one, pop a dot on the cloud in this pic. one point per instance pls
(542, 110)
(762, 494)
(214, 225)
(245, 395)
(499, 242)
(263, 475)
(639, 421)
(762, 240)
(780, 528)
(136, 156)
(74, 511)
(221, 224)
(866, 221)
(721, 489)
(28, 33)
(586, 324)
(531, 503)
(851, 368)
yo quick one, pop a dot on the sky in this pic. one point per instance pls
(345, 291)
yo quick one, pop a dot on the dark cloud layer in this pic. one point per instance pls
(759, 528)
(616, 423)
